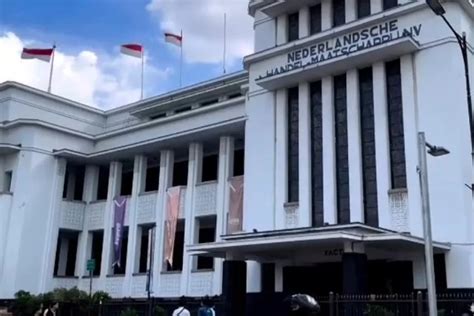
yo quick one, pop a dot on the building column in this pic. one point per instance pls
(354, 269)
(304, 22)
(194, 175)
(234, 287)
(139, 173)
(304, 148)
(354, 147)
(281, 157)
(2, 176)
(329, 151)
(71, 184)
(166, 179)
(282, 29)
(226, 167)
(326, 15)
(91, 181)
(376, 6)
(278, 277)
(382, 145)
(351, 11)
(115, 179)
(410, 127)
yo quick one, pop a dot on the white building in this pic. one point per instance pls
(327, 114)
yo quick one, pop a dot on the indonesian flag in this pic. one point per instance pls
(43, 54)
(134, 50)
(174, 39)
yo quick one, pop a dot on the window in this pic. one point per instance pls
(178, 249)
(143, 247)
(317, 154)
(96, 249)
(180, 173)
(209, 168)
(103, 183)
(7, 185)
(209, 102)
(74, 182)
(363, 8)
(338, 12)
(206, 233)
(238, 162)
(388, 4)
(119, 270)
(293, 154)
(342, 159)
(127, 179)
(369, 177)
(66, 252)
(315, 19)
(395, 125)
(293, 27)
(152, 175)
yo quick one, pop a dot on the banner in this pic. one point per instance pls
(120, 204)
(236, 204)
(171, 221)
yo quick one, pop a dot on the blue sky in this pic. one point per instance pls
(100, 26)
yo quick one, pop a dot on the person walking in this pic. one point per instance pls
(181, 310)
(206, 308)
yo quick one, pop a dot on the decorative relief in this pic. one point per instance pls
(72, 215)
(399, 210)
(65, 283)
(201, 283)
(146, 208)
(139, 286)
(205, 202)
(170, 284)
(291, 215)
(182, 202)
(95, 215)
(114, 286)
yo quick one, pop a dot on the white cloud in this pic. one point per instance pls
(202, 25)
(103, 81)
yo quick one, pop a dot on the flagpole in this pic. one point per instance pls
(225, 39)
(181, 62)
(143, 56)
(51, 69)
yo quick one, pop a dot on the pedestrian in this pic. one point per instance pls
(181, 310)
(206, 308)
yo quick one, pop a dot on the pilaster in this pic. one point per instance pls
(304, 22)
(281, 157)
(282, 29)
(304, 152)
(326, 14)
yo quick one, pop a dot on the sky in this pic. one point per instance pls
(88, 66)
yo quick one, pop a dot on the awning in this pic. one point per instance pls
(286, 244)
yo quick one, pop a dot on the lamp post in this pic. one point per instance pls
(425, 203)
(438, 9)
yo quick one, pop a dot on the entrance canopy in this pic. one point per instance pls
(308, 242)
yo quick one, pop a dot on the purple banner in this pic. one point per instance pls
(120, 204)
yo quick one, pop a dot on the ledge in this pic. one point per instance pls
(65, 277)
(395, 191)
(206, 182)
(88, 277)
(139, 274)
(97, 201)
(74, 201)
(148, 193)
(171, 272)
(6, 193)
(196, 271)
(291, 204)
(115, 276)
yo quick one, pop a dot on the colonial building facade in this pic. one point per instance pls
(322, 125)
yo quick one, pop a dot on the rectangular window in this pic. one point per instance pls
(120, 270)
(363, 8)
(388, 4)
(103, 183)
(7, 185)
(152, 175)
(180, 173)
(315, 19)
(293, 26)
(366, 100)
(395, 125)
(144, 251)
(342, 159)
(178, 249)
(317, 154)
(96, 249)
(66, 252)
(127, 179)
(238, 162)
(293, 153)
(210, 164)
(206, 234)
(338, 12)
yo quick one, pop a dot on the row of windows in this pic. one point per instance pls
(367, 134)
(338, 16)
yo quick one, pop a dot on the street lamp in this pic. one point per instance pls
(435, 151)
(438, 9)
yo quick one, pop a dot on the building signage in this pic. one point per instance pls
(334, 252)
(344, 45)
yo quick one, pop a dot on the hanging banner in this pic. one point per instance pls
(236, 204)
(172, 214)
(120, 204)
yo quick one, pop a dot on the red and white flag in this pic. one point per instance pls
(135, 50)
(43, 54)
(174, 39)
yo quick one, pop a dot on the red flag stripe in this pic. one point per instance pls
(38, 51)
(136, 47)
(179, 38)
